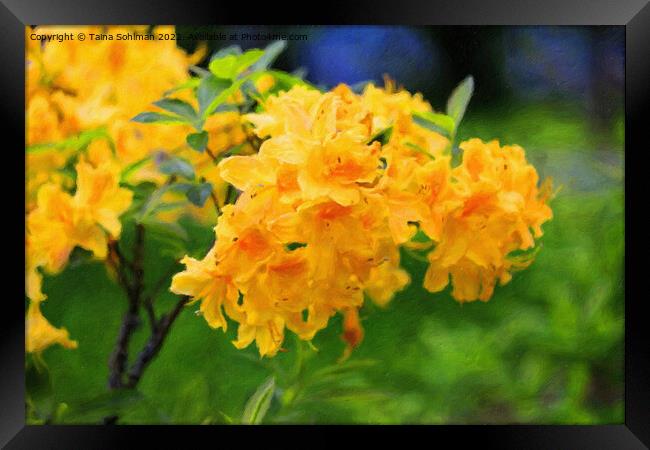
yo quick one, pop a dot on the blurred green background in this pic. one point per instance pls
(547, 348)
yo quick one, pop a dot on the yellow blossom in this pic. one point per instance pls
(202, 281)
(40, 334)
(61, 221)
(501, 205)
(323, 208)
(317, 140)
(75, 86)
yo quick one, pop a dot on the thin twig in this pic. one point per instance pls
(118, 262)
(123, 259)
(215, 200)
(151, 314)
(154, 343)
(153, 293)
(138, 263)
(211, 155)
(118, 360)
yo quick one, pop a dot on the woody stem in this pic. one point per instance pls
(130, 322)
(153, 345)
(118, 363)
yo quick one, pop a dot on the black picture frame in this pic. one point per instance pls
(633, 14)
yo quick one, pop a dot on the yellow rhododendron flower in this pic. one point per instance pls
(323, 208)
(58, 223)
(61, 221)
(40, 334)
(330, 186)
(320, 139)
(202, 281)
(392, 108)
(310, 232)
(76, 86)
(33, 278)
(501, 204)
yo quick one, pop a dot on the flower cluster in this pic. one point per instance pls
(60, 222)
(340, 182)
(74, 88)
(330, 186)
(77, 86)
(85, 153)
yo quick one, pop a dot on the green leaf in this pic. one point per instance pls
(189, 84)
(286, 81)
(226, 108)
(177, 166)
(383, 136)
(223, 67)
(231, 65)
(208, 90)
(271, 52)
(143, 189)
(223, 96)
(230, 50)
(74, 143)
(141, 193)
(168, 206)
(38, 387)
(154, 117)
(133, 167)
(347, 395)
(200, 71)
(59, 412)
(178, 107)
(199, 193)
(347, 367)
(246, 60)
(419, 149)
(459, 99)
(155, 199)
(198, 141)
(108, 404)
(165, 230)
(250, 91)
(258, 404)
(438, 122)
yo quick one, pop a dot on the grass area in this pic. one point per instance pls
(547, 348)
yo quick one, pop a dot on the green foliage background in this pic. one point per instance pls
(547, 348)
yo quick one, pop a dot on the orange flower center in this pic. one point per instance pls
(332, 210)
(253, 243)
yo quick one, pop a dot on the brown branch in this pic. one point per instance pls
(149, 299)
(117, 261)
(138, 263)
(151, 314)
(121, 258)
(154, 343)
(117, 362)
(119, 358)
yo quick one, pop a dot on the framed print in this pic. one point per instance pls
(415, 215)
